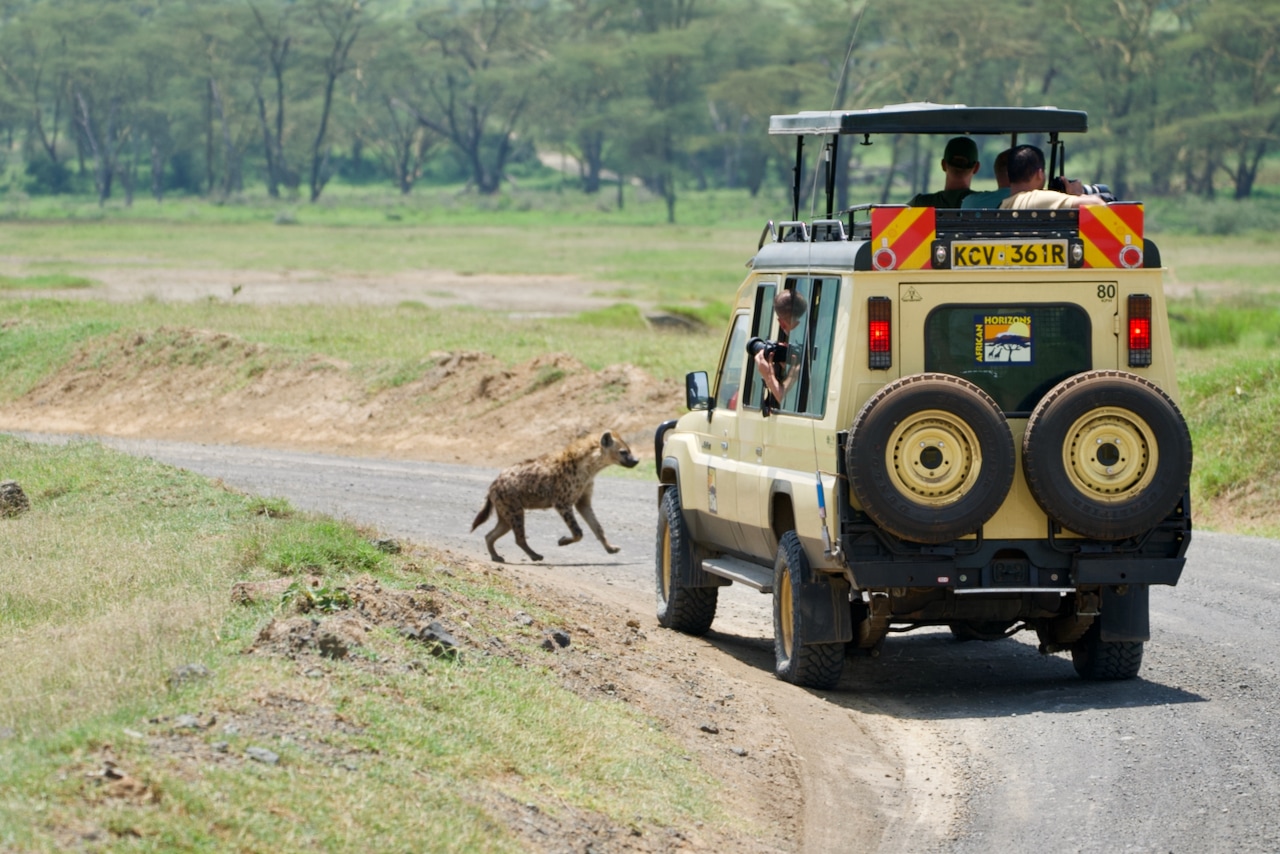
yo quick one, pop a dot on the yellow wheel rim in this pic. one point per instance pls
(785, 613)
(1110, 455)
(934, 458)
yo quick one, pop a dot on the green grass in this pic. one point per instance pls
(120, 573)
(1229, 378)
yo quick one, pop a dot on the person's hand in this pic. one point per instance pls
(763, 365)
(1074, 186)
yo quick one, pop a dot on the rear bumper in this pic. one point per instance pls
(953, 574)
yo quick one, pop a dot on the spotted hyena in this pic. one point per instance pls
(561, 480)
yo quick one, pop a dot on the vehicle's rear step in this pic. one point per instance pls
(741, 571)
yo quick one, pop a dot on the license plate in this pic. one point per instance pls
(1015, 253)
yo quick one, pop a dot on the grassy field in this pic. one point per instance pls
(119, 580)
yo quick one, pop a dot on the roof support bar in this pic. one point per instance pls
(833, 149)
(798, 176)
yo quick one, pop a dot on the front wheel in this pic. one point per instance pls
(810, 665)
(685, 609)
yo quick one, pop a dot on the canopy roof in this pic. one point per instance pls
(926, 118)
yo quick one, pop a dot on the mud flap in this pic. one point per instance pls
(824, 609)
(1125, 616)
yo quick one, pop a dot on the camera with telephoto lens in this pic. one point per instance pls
(774, 351)
(1060, 184)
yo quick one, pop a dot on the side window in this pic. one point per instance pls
(762, 327)
(823, 304)
(729, 385)
(809, 346)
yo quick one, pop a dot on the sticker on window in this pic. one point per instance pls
(1002, 338)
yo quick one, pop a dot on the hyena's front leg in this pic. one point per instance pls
(566, 513)
(517, 525)
(584, 507)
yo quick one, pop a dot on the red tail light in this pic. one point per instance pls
(1139, 330)
(879, 332)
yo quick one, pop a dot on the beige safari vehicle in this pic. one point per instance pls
(978, 428)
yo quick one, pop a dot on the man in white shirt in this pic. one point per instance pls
(1026, 185)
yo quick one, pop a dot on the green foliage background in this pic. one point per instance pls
(215, 98)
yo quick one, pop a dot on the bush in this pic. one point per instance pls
(47, 178)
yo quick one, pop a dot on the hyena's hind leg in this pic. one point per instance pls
(499, 530)
(566, 513)
(517, 525)
(584, 507)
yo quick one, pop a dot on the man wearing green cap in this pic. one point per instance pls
(960, 162)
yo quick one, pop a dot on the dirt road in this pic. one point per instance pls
(936, 745)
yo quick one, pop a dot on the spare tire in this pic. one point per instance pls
(930, 458)
(1107, 454)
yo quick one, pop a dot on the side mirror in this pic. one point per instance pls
(697, 391)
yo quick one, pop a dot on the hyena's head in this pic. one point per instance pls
(614, 450)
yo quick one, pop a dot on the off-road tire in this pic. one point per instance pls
(930, 458)
(1097, 660)
(800, 663)
(1107, 454)
(686, 609)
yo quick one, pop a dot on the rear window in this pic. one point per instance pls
(1015, 353)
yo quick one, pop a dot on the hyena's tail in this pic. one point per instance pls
(483, 515)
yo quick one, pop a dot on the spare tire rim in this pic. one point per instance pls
(1110, 454)
(934, 458)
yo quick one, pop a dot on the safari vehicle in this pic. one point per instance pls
(981, 432)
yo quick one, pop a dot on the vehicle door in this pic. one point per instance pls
(788, 445)
(714, 501)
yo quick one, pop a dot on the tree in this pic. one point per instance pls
(1247, 62)
(35, 58)
(273, 34)
(480, 66)
(341, 22)
(399, 141)
(666, 45)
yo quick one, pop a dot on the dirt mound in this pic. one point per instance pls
(194, 385)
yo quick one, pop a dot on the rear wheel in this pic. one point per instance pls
(798, 662)
(1098, 660)
(1107, 454)
(685, 609)
(930, 458)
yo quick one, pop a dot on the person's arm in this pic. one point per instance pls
(1079, 199)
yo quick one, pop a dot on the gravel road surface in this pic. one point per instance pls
(1005, 747)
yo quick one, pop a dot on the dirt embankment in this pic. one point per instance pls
(199, 386)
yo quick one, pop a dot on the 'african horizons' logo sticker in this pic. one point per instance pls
(1002, 338)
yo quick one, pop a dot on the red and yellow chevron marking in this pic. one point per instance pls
(1112, 235)
(901, 238)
